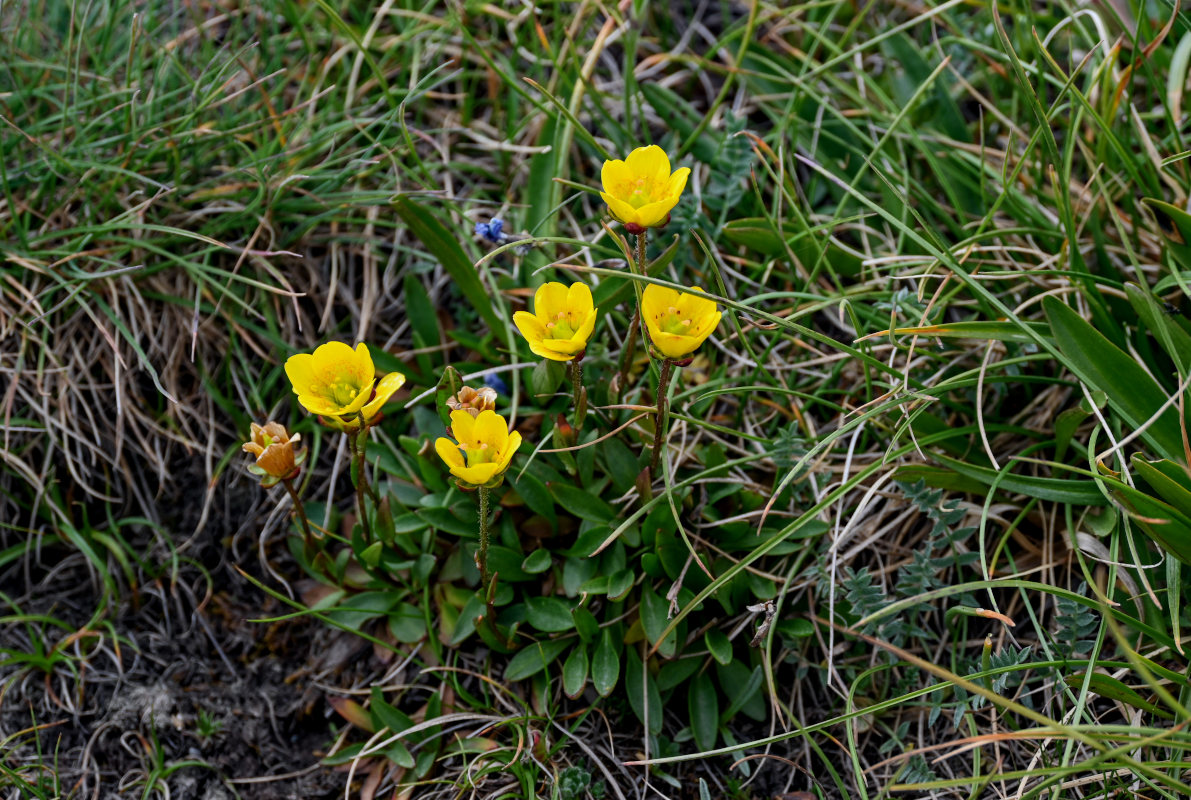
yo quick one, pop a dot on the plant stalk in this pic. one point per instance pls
(659, 420)
(630, 342)
(357, 445)
(482, 553)
(300, 510)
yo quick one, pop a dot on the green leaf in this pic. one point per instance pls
(582, 504)
(654, 619)
(643, 694)
(742, 687)
(1113, 689)
(399, 754)
(536, 496)
(1058, 490)
(1161, 521)
(445, 247)
(1100, 364)
(1168, 479)
(759, 234)
(1172, 338)
(537, 562)
(385, 715)
(534, 658)
(574, 672)
(360, 608)
(423, 319)
(605, 664)
(1175, 224)
(703, 704)
(586, 623)
(549, 614)
(620, 583)
(981, 330)
(718, 645)
(407, 623)
(546, 377)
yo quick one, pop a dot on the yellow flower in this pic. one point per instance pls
(484, 450)
(337, 381)
(561, 321)
(678, 322)
(274, 450)
(640, 191)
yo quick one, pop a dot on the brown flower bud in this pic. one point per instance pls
(473, 401)
(276, 458)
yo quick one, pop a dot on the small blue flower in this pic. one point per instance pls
(493, 231)
(496, 382)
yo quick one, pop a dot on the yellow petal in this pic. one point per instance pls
(492, 430)
(673, 345)
(652, 215)
(384, 390)
(563, 347)
(363, 363)
(579, 301)
(584, 331)
(252, 447)
(448, 451)
(549, 301)
(463, 427)
(530, 326)
(655, 300)
(317, 404)
(649, 162)
(299, 370)
(332, 358)
(705, 324)
(540, 348)
(478, 475)
(694, 303)
(613, 175)
(619, 208)
(506, 455)
(678, 182)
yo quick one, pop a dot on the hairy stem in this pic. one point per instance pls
(630, 342)
(659, 420)
(300, 510)
(357, 446)
(482, 553)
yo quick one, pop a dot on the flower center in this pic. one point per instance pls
(343, 392)
(670, 322)
(478, 453)
(560, 327)
(640, 192)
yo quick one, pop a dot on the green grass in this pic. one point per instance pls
(939, 430)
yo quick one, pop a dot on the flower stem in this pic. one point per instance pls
(659, 420)
(579, 395)
(482, 553)
(357, 445)
(300, 510)
(630, 342)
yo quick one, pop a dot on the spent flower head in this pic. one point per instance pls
(561, 323)
(473, 401)
(483, 448)
(641, 191)
(338, 383)
(678, 322)
(276, 458)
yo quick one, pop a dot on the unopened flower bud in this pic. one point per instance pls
(276, 457)
(473, 401)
